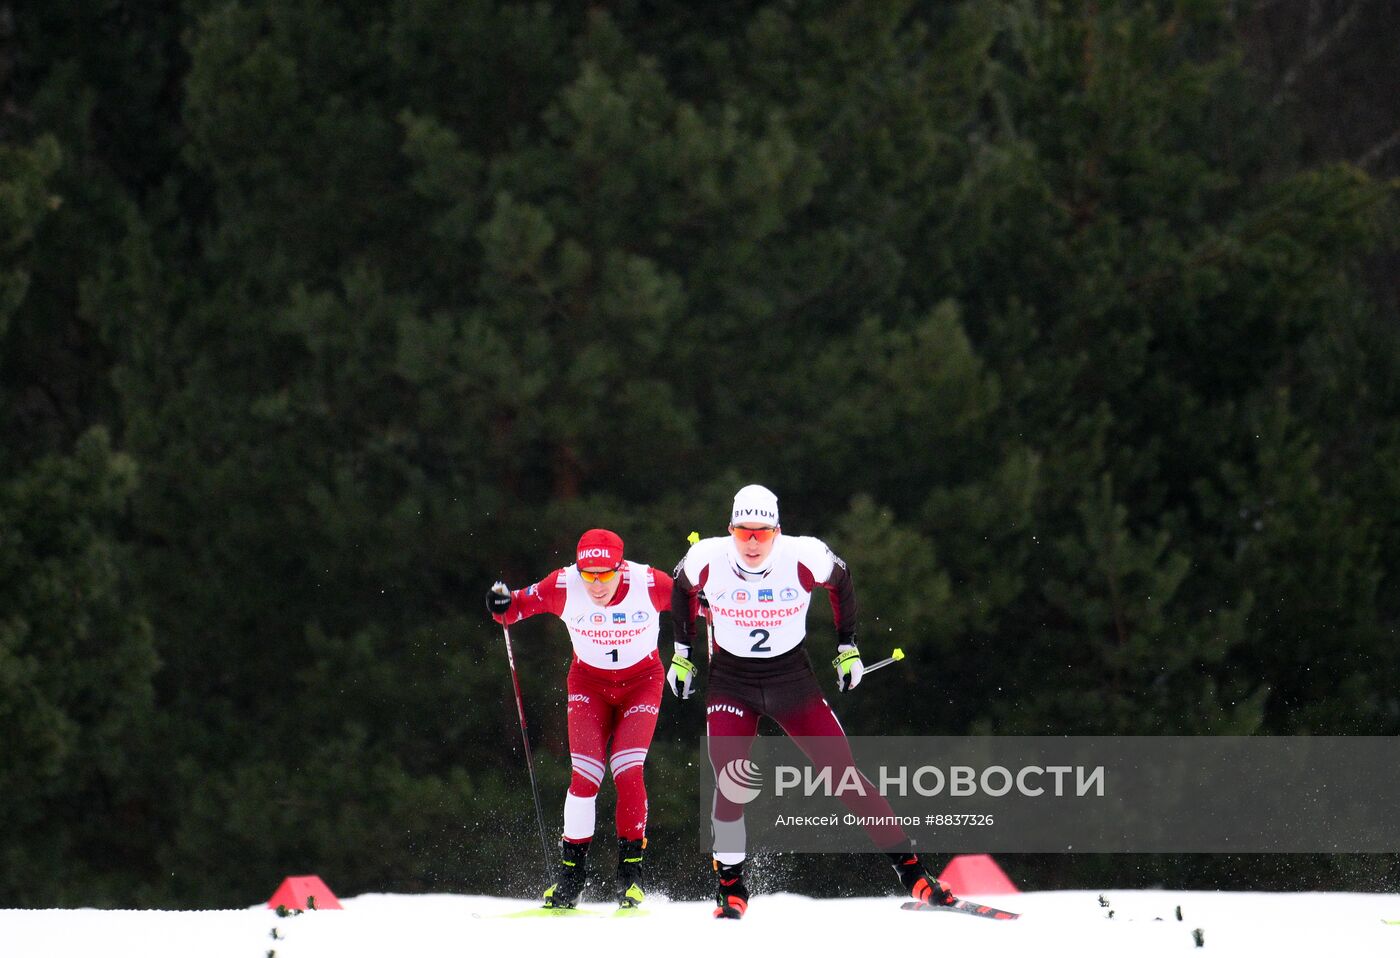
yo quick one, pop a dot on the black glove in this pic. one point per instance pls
(498, 599)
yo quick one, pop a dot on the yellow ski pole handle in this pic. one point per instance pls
(896, 656)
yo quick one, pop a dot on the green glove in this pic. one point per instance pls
(849, 667)
(682, 673)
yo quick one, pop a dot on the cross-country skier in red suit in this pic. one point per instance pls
(612, 609)
(757, 585)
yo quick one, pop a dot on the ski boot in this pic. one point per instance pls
(918, 882)
(732, 897)
(629, 872)
(573, 864)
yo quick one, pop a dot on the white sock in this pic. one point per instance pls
(579, 817)
(730, 838)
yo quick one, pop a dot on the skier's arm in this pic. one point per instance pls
(660, 591)
(818, 566)
(844, 609)
(547, 595)
(841, 590)
(685, 606)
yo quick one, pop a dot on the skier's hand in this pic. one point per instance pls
(681, 674)
(498, 600)
(849, 667)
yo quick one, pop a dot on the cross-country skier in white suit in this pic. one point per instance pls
(757, 585)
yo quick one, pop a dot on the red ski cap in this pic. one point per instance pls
(599, 547)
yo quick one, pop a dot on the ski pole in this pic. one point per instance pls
(896, 656)
(525, 737)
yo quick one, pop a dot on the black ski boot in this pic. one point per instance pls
(732, 897)
(573, 865)
(918, 882)
(629, 872)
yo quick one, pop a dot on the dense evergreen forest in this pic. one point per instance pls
(1072, 326)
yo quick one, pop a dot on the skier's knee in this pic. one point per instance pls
(627, 761)
(587, 774)
(582, 787)
(630, 784)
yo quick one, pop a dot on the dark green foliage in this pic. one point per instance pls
(76, 662)
(1035, 312)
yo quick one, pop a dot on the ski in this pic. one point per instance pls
(628, 912)
(964, 906)
(554, 913)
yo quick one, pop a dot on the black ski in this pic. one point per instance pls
(964, 906)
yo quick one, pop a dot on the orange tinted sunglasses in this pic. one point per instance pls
(599, 576)
(744, 534)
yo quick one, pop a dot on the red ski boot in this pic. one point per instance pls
(732, 897)
(918, 882)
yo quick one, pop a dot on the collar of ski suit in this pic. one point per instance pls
(746, 571)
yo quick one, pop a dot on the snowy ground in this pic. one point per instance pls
(428, 926)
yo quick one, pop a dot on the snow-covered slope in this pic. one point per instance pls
(1054, 924)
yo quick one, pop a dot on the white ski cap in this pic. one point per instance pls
(755, 504)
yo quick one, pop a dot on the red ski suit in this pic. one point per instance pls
(621, 704)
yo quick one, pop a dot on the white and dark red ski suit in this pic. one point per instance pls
(759, 666)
